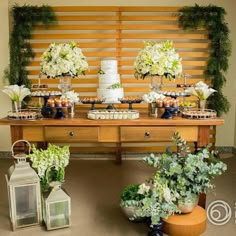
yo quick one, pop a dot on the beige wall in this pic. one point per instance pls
(4, 101)
(226, 135)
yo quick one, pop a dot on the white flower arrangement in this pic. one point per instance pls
(72, 96)
(63, 59)
(152, 97)
(158, 59)
(50, 164)
(16, 93)
(200, 90)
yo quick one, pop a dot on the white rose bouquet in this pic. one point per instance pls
(158, 59)
(63, 59)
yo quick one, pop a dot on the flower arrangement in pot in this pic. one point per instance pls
(50, 164)
(179, 177)
(186, 174)
(157, 61)
(63, 59)
(131, 199)
(202, 91)
(148, 201)
(17, 94)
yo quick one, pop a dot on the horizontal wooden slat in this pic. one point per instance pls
(86, 9)
(113, 32)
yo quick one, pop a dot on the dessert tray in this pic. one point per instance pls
(199, 114)
(25, 114)
(113, 114)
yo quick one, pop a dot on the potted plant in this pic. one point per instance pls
(186, 174)
(131, 199)
(150, 200)
(50, 164)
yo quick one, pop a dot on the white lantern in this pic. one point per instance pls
(56, 208)
(24, 193)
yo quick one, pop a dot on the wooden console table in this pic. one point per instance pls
(81, 130)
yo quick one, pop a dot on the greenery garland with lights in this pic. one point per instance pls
(21, 53)
(212, 18)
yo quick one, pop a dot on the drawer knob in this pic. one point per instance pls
(147, 134)
(71, 133)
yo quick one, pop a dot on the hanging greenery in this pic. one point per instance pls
(212, 18)
(24, 19)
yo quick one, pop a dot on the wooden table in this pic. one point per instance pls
(79, 129)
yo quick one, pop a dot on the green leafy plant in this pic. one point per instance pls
(21, 53)
(186, 174)
(50, 164)
(150, 200)
(213, 19)
(132, 195)
(178, 177)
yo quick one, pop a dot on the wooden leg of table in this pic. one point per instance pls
(17, 134)
(42, 145)
(118, 153)
(203, 136)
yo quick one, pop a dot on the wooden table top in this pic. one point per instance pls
(81, 119)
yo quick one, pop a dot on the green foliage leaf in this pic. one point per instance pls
(213, 19)
(24, 19)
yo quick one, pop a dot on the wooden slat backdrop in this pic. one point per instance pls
(118, 33)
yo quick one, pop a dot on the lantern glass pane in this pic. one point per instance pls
(26, 205)
(59, 214)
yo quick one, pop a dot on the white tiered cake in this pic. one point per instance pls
(109, 87)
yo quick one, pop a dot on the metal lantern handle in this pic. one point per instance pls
(18, 141)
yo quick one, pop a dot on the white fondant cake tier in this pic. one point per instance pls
(110, 95)
(107, 80)
(109, 66)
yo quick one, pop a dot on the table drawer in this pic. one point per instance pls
(146, 133)
(71, 134)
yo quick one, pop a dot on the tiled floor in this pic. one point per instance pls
(95, 187)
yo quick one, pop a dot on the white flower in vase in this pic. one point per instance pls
(158, 59)
(64, 59)
(17, 94)
(72, 96)
(152, 97)
(200, 90)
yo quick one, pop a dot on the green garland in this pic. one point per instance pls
(21, 53)
(212, 18)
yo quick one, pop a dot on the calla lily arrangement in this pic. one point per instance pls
(16, 93)
(200, 90)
